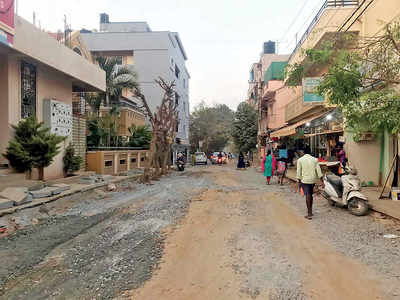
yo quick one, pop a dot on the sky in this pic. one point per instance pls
(222, 38)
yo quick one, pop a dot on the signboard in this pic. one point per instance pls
(309, 94)
(7, 22)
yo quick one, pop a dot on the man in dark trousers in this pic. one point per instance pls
(308, 173)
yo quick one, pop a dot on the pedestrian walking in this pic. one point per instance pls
(269, 163)
(241, 165)
(282, 168)
(308, 173)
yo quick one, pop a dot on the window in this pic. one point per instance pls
(176, 99)
(177, 71)
(28, 90)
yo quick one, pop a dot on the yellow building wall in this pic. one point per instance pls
(49, 84)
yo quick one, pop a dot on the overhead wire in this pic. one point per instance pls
(307, 20)
(294, 20)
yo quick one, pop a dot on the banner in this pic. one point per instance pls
(7, 22)
(309, 94)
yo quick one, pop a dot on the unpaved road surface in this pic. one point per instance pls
(208, 233)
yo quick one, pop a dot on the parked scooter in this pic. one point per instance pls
(346, 191)
(180, 162)
(181, 165)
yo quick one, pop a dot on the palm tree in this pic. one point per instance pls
(118, 77)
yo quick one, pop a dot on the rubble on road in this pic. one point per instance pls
(111, 187)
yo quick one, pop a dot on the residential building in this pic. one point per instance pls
(35, 70)
(310, 116)
(154, 54)
(256, 87)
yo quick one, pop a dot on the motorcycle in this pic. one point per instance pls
(219, 161)
(180, 165)
(346, 191)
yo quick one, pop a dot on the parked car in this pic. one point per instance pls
(200, 158)
(214, 157)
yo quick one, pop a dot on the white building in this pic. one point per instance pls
(154, 54)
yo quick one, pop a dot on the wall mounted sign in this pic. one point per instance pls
(309, 94)
(7, 22)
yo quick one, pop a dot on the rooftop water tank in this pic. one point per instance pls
(269, 47)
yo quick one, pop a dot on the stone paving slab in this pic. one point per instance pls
(6, 203)
(19, 195)
(75, 188)
(61, 187)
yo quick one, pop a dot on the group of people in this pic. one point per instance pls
(308, 174)
(271, 166)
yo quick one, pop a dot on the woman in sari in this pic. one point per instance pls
(241, 164)
(269, 163)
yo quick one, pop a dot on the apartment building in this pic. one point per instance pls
(258, 83)
(154, 54)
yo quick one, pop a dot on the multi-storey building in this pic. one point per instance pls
(311, 117)
(257, 83)
(154, 54)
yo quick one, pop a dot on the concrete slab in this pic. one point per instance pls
(43, 193)
(61, 187)
(6, 203)
(87, 180)
(19, 195)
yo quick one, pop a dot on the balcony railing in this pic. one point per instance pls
(327, 4)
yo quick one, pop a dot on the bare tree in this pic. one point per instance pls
(163, 122)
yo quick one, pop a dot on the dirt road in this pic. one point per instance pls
(208, 233)
(241, 241)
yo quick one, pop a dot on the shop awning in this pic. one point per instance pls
(324, 132)
(291, 129)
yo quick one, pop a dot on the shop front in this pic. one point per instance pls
(325, 136)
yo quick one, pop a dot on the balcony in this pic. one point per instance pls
(297, 108)
(331, 16)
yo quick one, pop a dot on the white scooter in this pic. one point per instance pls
(346, 191)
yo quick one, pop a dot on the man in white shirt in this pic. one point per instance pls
(308, 173)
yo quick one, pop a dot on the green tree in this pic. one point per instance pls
(244, 128)
(361, 78)
(33, 146)
(210, 124)
(72, 162)
(140, 136)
